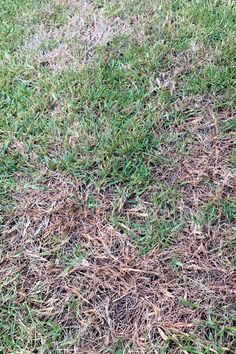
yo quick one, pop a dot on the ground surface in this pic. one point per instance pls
(117, 187)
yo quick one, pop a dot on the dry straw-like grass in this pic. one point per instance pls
(141, 299)
(76, 40)
(62, 247)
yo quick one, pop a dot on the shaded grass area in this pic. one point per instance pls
(117, 178)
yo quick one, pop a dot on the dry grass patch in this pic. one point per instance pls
(70, 265)
(203, 168)
(146, 263)
(76, 41)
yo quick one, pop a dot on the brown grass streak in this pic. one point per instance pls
(122, 295)
(77, 39)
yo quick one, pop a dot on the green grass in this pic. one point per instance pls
(119, 121)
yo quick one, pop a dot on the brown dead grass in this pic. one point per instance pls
(77, 40)
(204, 172)
(141, 299)
(121, 294)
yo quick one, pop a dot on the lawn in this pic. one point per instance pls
(117, 176)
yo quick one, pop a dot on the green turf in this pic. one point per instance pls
(114, 123)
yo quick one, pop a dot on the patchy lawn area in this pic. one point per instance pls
(117, 176)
